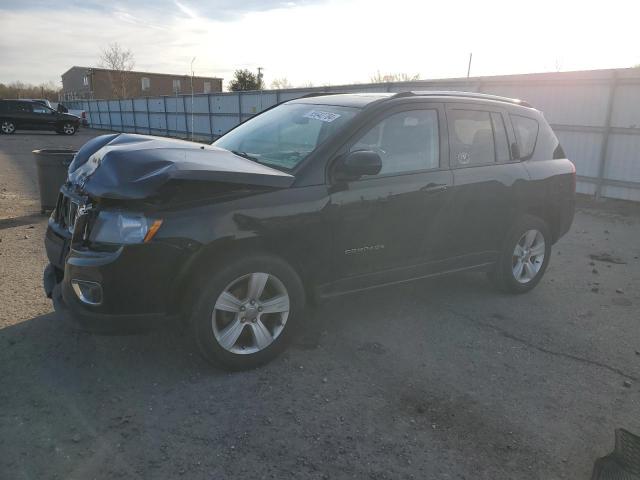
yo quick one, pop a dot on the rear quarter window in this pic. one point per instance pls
(526, 130)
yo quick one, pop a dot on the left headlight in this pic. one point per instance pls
(123, 228)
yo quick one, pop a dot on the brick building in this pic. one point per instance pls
(101, 83)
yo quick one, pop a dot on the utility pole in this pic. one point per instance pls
(192, 60)
(260, 78)
(469, 67)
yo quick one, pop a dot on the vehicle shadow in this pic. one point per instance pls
(35, 132)
(51, 344)
(124, 406)
(29, 219)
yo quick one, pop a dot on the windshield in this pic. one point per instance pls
(284, 136)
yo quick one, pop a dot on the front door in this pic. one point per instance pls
(390, 222)
(42, 118)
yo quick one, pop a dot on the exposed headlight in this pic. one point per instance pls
(123, 228)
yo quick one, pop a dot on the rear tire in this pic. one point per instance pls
(247, 311)
(7, 127)
(524, 256)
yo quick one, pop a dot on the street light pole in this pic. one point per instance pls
(192, 60)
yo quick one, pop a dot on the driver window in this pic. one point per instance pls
(406, 141)
(40, 109)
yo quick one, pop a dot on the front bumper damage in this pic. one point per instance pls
(126, 288)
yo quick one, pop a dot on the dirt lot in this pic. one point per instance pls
(437, 379)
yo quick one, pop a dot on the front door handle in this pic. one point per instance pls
(434, 188)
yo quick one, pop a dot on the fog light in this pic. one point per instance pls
(88, 292)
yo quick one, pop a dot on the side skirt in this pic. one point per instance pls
(393, 277)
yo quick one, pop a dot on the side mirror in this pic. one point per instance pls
(515, 151)
(356, 164)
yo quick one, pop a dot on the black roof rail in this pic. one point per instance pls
(320, 94)
(452, 93)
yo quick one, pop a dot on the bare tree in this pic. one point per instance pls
(47, 90)
(120, 62)
(393, 77)
(281, 83)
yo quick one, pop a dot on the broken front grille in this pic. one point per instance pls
(66, 212)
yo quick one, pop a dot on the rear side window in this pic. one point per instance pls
(3, 107)
(19, 107)
(526, 134)
(471, 137)
(558, 152)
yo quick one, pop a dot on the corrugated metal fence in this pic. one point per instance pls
(596, 115)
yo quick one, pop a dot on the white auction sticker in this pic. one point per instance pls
(322, 116)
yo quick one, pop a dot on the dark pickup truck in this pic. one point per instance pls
(316, 197)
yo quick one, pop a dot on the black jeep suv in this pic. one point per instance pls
(34, 115)
(316, 197)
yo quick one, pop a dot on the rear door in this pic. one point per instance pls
(488, 182)
(390, 221)
(20, 113)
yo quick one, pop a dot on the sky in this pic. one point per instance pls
(319, 42)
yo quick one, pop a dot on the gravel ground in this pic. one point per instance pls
(436, 379)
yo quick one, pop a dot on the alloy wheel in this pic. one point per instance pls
(69, 129)
(8, 127)
(250, 313)
(528, 256)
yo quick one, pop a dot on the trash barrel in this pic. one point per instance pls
(52, 166)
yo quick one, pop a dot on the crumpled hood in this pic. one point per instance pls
(127, 166)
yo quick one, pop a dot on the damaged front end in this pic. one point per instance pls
(121, 191)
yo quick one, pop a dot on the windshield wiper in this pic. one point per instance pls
(246, 155)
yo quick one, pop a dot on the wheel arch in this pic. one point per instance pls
(548, 215)
(196, 269)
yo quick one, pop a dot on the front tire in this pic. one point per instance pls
(7, 127)
(247, 311)
(69, 129)
(524, 256)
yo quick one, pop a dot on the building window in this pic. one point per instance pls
(176, 86)
(85, 80)
(146, 83)
(207, 87)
